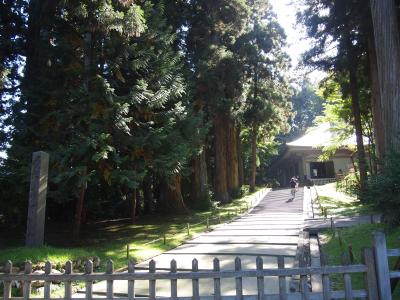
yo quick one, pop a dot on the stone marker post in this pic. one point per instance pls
(37, 200)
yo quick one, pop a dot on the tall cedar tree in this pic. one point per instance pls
(260, 50)
(342, 23)
(385, 16)
(213, 29)
(103, 93)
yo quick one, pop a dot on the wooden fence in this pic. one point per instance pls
(374, 267)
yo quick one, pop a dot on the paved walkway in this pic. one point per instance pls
(270, 229)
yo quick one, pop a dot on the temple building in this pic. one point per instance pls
(302, 158)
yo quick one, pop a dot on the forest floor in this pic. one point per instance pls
(335, 243)
(109, 239)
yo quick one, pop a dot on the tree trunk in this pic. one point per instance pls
(78, 209)
(253, 173)
(240, 157)
(376, 101)
(199, 183)
(148, 195)
(387, 41)
(232, 161)
(173, 200)
(37, 47)
(221, 187)
(362, 164)
(354, 167)
(133, 206)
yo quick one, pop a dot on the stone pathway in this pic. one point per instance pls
(272, 228)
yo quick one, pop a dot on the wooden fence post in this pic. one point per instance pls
(131, 283)
(260, 279)
(67, 287)
(110, 283)
(217, 280)
(152, 282)
(89, 283)
(174, 282)
(305, 291)
(7, 284)
(47, 284)
(27, 284)
(348, 290)
(238, 279)
(326, 283)
(382, 266)
(282, 279)
(188, 228)
(195, 282)
(367, 258)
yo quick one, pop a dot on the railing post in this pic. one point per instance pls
(348, 290)
(239, 284)
(67, 287)
(260, 279)
(89, 283)
(152, 282)
(110, 283)
(370, 282)
(27, 284)
(7, 284)
(131, 283)
(326, 283)
(47, 284)
(304, 278)
(174, 282)
(195, 282)
(282, 279)
(217, 280)
(382, 266)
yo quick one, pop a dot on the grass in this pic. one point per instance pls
(357, 237)
(109, 240)
(335, 243)
(340, 204)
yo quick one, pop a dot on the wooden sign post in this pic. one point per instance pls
(37, 200)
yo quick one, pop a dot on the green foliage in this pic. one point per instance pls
(122, 91)
(384, 190)
(349, 185)
(108, 103)
(307, 106)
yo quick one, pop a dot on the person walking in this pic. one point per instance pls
(293, 186)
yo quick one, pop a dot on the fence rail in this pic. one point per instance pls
(216, 274)
(374, 268)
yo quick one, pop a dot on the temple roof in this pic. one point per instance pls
(319, 137)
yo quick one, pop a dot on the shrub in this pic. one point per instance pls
(349, 185)
(384, 190)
